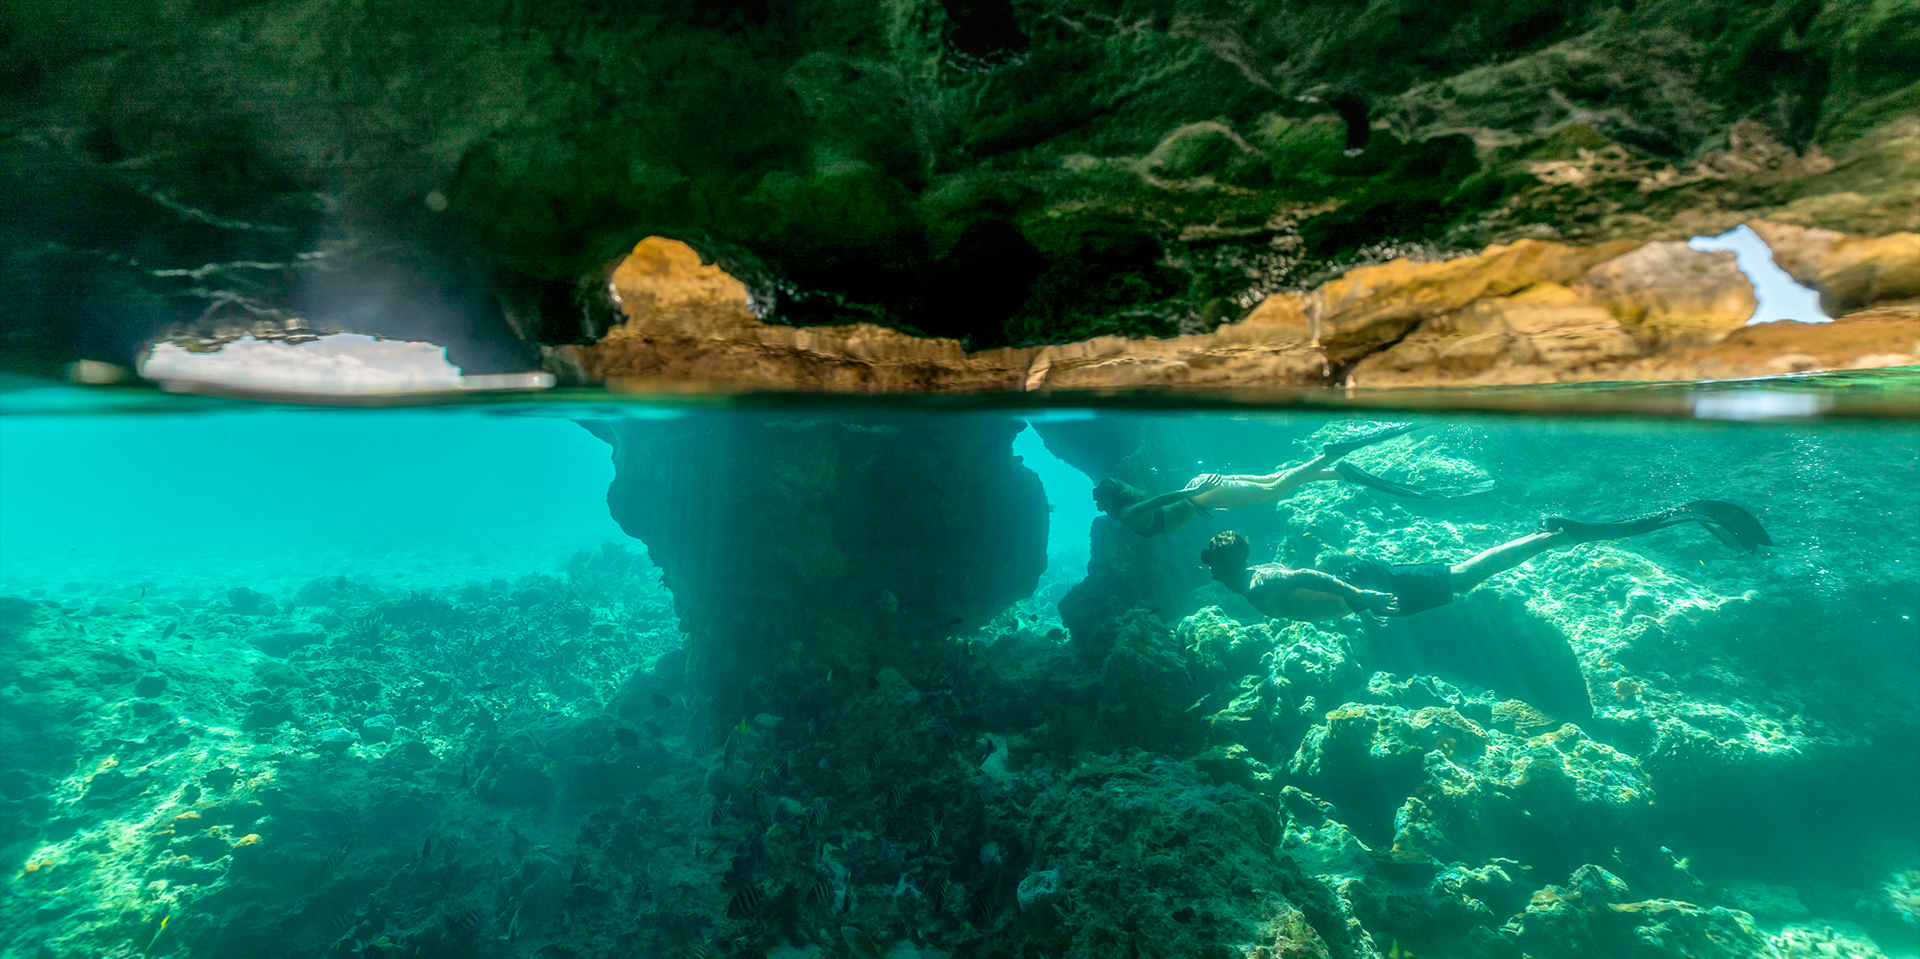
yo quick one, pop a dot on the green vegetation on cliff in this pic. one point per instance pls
(1001, 171)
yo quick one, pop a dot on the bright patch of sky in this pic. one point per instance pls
(344, 363)
(1780, 298)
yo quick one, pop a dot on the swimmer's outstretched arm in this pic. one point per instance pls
(1319, 582)
(1193, 489)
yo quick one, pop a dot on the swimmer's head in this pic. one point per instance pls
(1226, 552)
(1112, 496)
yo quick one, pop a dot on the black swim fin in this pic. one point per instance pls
(1377, 435)
(1732, 525)
(1354, 474)
(1728, 523)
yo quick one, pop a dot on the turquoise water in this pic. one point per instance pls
(612, 678)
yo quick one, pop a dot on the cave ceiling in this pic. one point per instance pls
(1005, 173)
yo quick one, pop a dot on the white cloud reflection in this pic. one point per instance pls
(342, 364)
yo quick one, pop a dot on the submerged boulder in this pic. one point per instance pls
(799, 546)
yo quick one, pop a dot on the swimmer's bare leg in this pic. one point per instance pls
(1465, 576)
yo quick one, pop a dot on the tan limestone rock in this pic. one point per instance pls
(663, 285)
(1867, 339)
(1528, 312)
(1667, 295)
(1372, 306)
(1850, 272)
(1540, 335)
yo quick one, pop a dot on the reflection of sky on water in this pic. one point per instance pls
(343, 363)
(1780, 298)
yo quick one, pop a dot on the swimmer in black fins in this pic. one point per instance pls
(1357, 584)
(1516, 656)
(1152, 516)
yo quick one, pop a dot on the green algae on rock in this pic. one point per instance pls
(1149, 171)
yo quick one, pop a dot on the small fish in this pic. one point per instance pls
(513, 927)
(811, 819)
(762, 687)
(1395, 952)
(951, 622)
(426, 847)
(699, 951)
(464, 923)
(939, 893)
(652, 728)
(627, 738)
(147, 654)
(661, 702)
(933, 836)
(859, 943)
(335, 858)
(776, 769)
(168, 632)
(713, 818)
(897, 796)
(485, 687)
(746, 903)
(156, 933)
(821, 896)
(466, 773)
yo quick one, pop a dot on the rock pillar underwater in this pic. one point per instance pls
(802, 547)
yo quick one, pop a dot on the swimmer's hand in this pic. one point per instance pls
(1372, 601)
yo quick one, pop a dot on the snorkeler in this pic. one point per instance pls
(1369, 585)
(1152, 516)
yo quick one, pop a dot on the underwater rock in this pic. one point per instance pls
(267, 714)
(786, 528)
(336, 740)
(282, 644)
(150, 685)
(330, 591)
(377, 729)
(16, 617)
(248, 602)
(1145, 688)
(1316, 842)
(1038, 888)
(1764, 900)
(1592, 917)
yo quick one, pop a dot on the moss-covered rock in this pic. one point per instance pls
(470, 178)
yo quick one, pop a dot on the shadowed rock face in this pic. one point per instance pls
(853, 540)
(994, 173)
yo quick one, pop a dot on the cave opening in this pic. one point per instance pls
(1779, 296)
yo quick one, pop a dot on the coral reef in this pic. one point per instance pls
(549, 767)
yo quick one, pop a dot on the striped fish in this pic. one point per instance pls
(815, 814)
(821, 896)
(746, 903)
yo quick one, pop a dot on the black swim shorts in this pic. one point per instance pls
(1419, 586)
